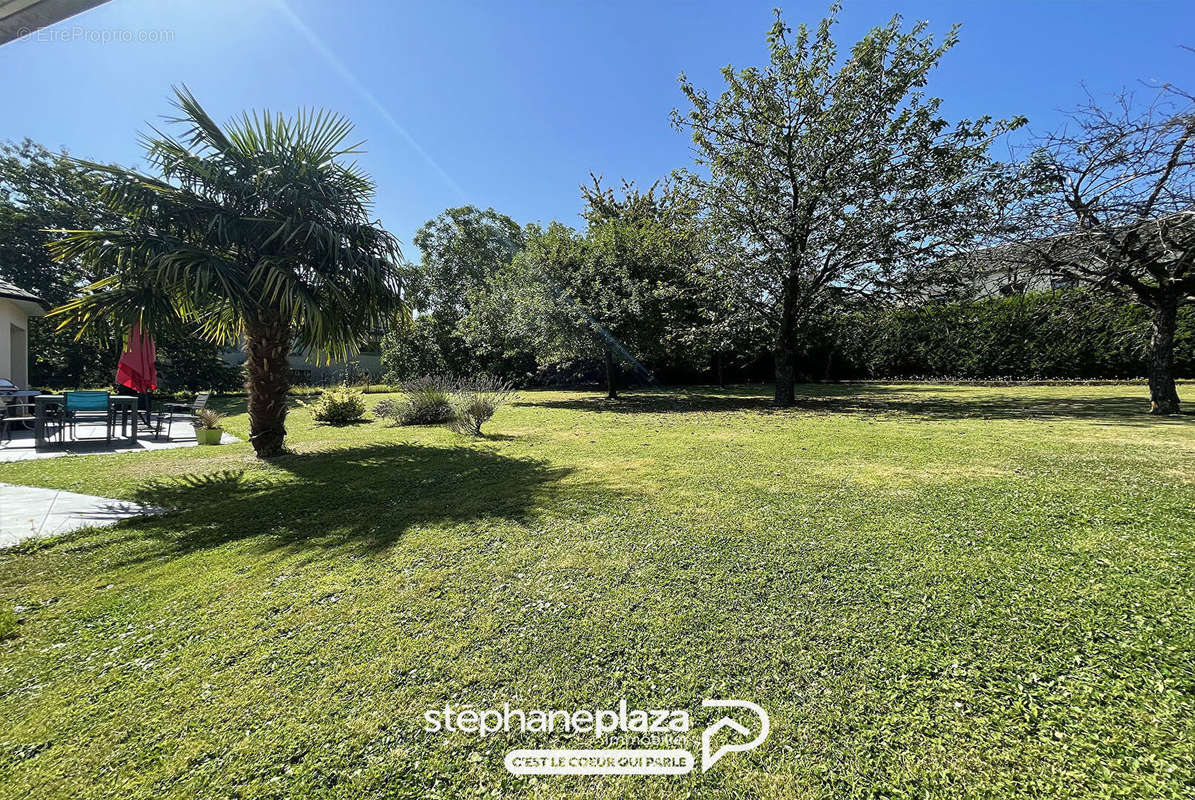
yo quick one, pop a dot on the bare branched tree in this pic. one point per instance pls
(1115, 210)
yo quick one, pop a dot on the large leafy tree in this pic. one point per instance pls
(523, 307)
(830, 174)
(461, 248)
(412, 349)
(40, 192)
(639, 282)
(1115, 211)
(259, 230)
(622, 291)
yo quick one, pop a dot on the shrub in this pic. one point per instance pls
(339, 406)
(394, 410)
(465, 404)
(476, 401)
(427, 401)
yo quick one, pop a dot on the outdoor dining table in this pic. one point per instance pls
(125, 404)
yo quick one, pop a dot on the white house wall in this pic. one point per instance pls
(11, 314)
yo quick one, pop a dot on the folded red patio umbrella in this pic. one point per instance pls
(136, 369)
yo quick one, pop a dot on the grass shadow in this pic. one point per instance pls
(662, 401)
(926, 402)
(354, 499)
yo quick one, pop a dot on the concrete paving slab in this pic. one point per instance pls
(29, 512)
(92, 442)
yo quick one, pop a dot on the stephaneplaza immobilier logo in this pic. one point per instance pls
(602, 723)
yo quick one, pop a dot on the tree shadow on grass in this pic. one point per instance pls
(354, 500)
(925, 402)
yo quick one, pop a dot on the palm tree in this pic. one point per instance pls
(258, 231)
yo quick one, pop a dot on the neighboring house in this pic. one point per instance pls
(1072, 259)
(16, 307)
(1005, 271)
(306, 369)
(1001, 271)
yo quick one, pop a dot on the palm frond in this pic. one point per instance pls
(201, 129)
(262, 219)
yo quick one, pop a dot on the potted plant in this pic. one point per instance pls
(207, 426)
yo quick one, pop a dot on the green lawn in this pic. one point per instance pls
(934, 590)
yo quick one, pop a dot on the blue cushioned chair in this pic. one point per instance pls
(85, 406)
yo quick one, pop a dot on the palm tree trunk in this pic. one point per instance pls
(611, 382)
(1163, 395)
(267, 346)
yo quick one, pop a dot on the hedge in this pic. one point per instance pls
(1050, 335)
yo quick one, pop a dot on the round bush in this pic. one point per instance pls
(340, 406)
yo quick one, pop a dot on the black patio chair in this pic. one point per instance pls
(170, 410)
(12, 413)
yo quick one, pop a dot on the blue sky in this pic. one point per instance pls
(511, 104)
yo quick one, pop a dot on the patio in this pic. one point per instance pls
(22, 446)
(29, 512)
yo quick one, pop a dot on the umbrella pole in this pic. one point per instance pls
(147, 414)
